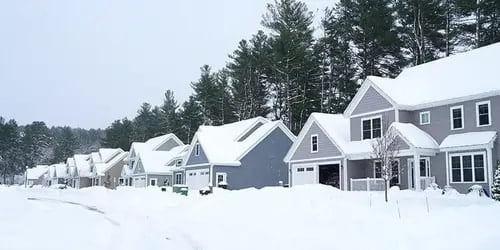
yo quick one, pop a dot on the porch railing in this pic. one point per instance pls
(367, 184)
(426, 182)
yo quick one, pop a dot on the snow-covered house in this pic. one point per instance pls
(72, 173)
(443, 112)
(83, 170)
(147, 164)
(36, 175)
(239, 155)
(57, 174)
(106, 172)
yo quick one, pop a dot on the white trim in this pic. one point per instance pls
(371, 118)
(425, 113)
(461, 107)
(197, 148)
(316, 165)
(489, 156)
(451, 101)
(373, 112)
(489, 113)
(224, 176)
(156, 181)
(170, 137)
(396, 115)
(471, 154)
(206, 164)
(344, 167)
(318, 159)
(447, 169)
(317, 143)
(466, 148)
(428, 169)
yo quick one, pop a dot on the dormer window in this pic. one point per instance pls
(314, 143)
(178, 162)
(197, 149)
(371, 127)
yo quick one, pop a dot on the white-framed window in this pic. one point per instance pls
(197, 149)
(468, 167)
(178, 162)
(425, 118)
(178, 178)
(457, 117)
(314, 143)
(377, 171)
(300, 169)
(371, 127)
(425, 167)
(153, 182)
(221, 178)
(483, 114)
(309, 169)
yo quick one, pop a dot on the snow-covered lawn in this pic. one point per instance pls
(308, 217)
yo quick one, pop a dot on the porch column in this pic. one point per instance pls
(345, 175)
(416, 171)
(489, 156)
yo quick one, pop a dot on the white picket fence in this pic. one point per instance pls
(426, 182)
(367, 184)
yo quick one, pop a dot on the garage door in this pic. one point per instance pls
(304, 174)
(140, 182)
(197, 179)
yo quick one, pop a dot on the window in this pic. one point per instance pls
(300, 169)
(309, 169)
(197, 149)
(425, 118)
(425, 169)
(483, 114)
(121, 181)
(153, 181)
(221, 178)
(377, 168)
(314, 143)
(178, 178)
(178, 162)
(457, 117)
(468, 167)
(377, 165)
(371, 128)
(126, 182)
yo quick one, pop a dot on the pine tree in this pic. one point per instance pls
(191, 118)
(205, 94)
(145, 123)
(11, 158)
(66, 145)
(35, 140)
(119, 134)
(171, 120)
(225, 111)
(495, 189)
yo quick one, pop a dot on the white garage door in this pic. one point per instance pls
(197, 179)
(139, 181)
(304, 174)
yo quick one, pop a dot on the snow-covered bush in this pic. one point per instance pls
(449, 191)
(495, 189)
(476, 190)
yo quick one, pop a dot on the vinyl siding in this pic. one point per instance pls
(325, 147)
(168, 145)
(371, 101)
(200, 159)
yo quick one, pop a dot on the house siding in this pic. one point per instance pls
(388, 117)
(161, 179)
(114, 173)
(200, 159)
(262, 166)
(371, 101)
(168, 145)
(325, 147)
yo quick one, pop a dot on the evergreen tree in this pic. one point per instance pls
(11, 158)
(171, 121)
(205, 94)
(495, 189)
(294, 95)
(119, 134)
(35, 141)
(225, 111)
(191, 117)
(145, 123)
(66, 145)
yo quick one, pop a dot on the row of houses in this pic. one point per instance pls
(443, 112)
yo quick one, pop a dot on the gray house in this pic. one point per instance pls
(148, 162)
(106, 167)
(57, 174)
(443, 112)
(36, 175)
(239, 155)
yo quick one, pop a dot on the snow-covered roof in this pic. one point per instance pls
(127, 170)
(470, 139)
(156, 142)
(70, 162)
(156, 161)
(82, 165)
(102, 167)
(468, 74)
(37, 172)
(58, 171)
(107, 154)
(95, 157)
(227, 144)
(415, 136)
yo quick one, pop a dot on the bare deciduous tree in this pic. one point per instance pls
(385, 151)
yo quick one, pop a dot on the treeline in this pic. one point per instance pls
(35, 143)
(290, 70)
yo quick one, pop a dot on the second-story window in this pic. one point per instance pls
(197, 149)
(457, 117)
(483, 114)
(372, 128)
(314, 143)
(425, 118)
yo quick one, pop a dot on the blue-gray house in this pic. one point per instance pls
(243, 154)
(444, 112)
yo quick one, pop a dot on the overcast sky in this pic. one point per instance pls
(87, 63)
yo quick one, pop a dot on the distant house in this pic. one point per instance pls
(239, 155)
(443, 113)
(148, 162)
(72, 173)
(84, 171)
(36, 175)
(57, 174)
(107, 171)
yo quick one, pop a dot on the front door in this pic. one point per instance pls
(425, 170)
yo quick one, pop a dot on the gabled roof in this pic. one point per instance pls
(460, 77)
(57, 171)
(466, 140)
(83, 165)
(227, 144)
(106, 154)
(156, 142)
(414, 136)
(37, 172)
(102, 167)
(156, 161)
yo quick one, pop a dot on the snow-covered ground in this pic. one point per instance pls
(307, 217)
